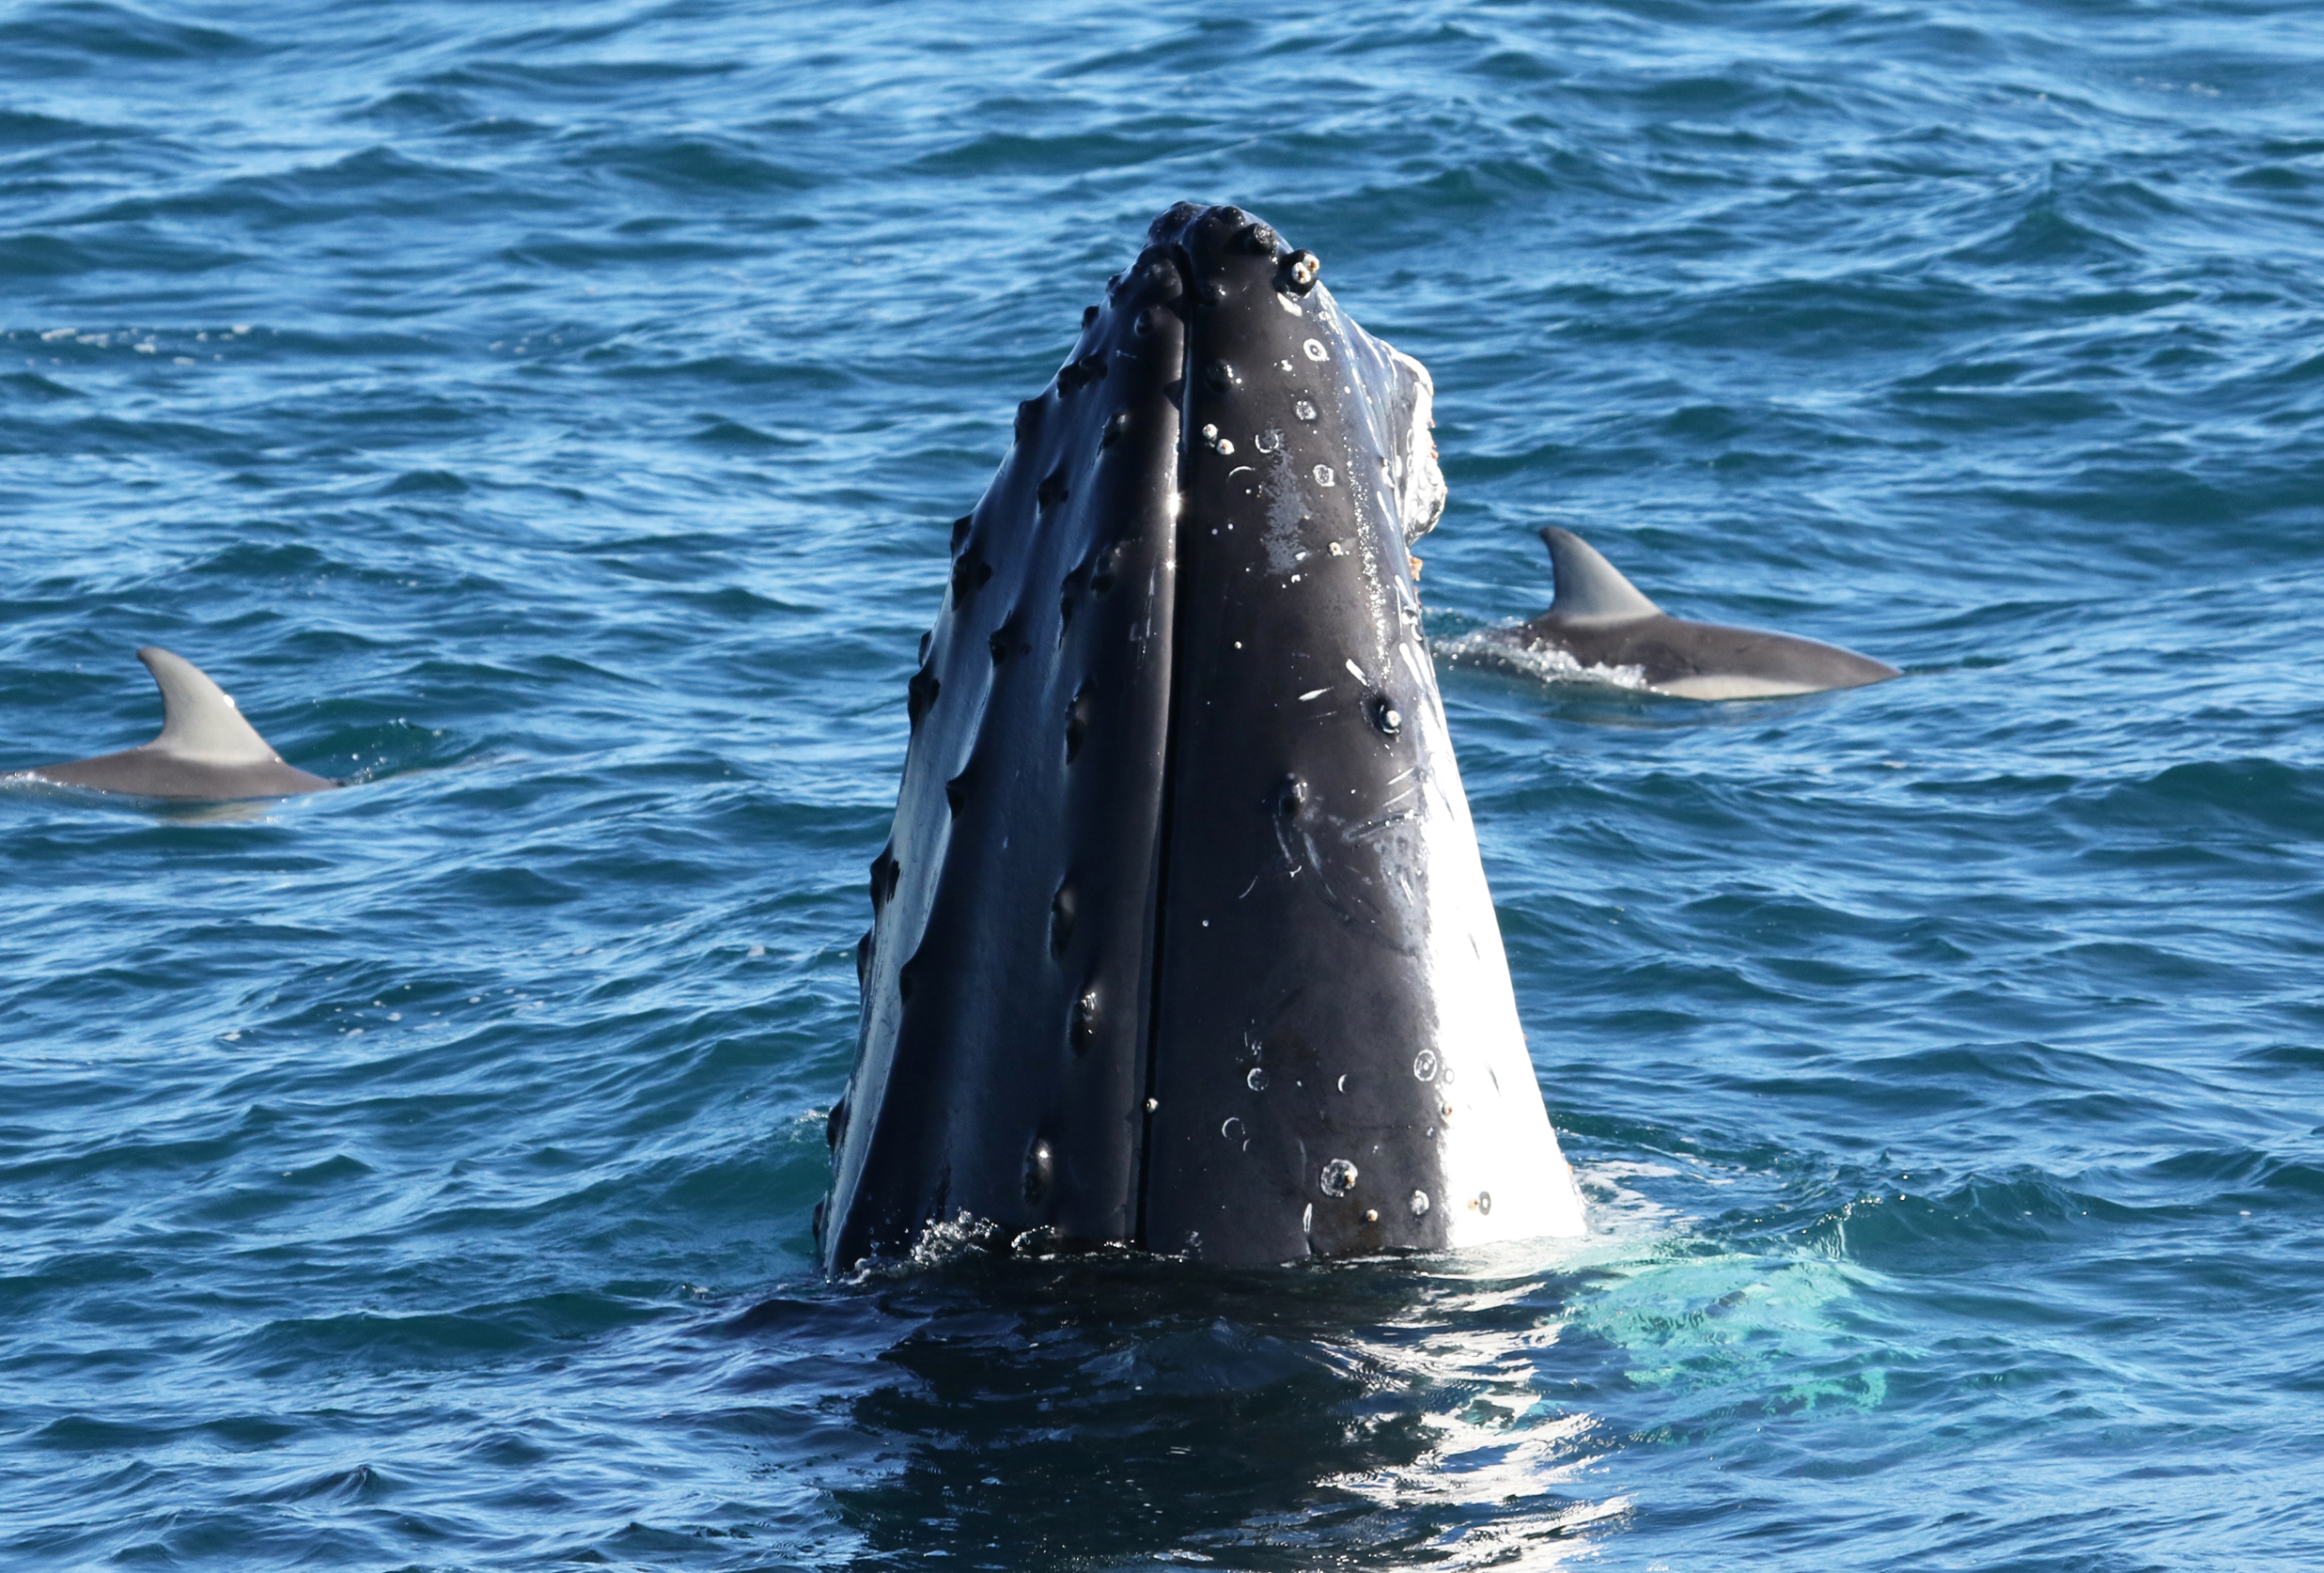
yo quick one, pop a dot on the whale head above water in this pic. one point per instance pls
(1181, 940)
(1599, 621)
(207, 750)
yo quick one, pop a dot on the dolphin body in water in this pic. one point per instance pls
(207, 750)
(1599, 621)
(1181, 938)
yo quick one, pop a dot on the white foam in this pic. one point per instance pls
(1545, 664)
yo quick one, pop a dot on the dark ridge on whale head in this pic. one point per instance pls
(1184, 943)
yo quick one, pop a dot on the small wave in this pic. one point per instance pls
(701, 163)
(723, 433)
(78, 31)
(18, 129)
(2251, 796)
(31, 385)
(437, 483)
(1003, 152)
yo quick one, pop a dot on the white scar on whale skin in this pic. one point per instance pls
(207, 750)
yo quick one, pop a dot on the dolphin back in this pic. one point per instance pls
(1603, 623)
(207, 750)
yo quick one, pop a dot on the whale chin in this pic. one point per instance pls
(1181, 938)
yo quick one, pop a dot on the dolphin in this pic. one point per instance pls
(205, 751)
(1181, 938)
(1603, 623)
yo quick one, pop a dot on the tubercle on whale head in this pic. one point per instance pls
(1035, 754)
(1298, 665)
(1233, 260)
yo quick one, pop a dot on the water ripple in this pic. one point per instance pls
(552, 427)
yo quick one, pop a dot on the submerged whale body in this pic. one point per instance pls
(1599, 621)
(207, 750)
(1181, 940)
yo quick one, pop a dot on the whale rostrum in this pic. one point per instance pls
(1181, 940)
(1599, 622)
(207, 750)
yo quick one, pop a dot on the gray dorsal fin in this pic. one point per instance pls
(1589, 589)
(198, 721)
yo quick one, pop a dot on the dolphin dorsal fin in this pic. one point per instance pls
(198, 721)
(1589, 589)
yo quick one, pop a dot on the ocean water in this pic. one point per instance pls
(549, 417)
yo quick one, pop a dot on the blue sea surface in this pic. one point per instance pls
(549, 418)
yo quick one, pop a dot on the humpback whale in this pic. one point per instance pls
(205, 751)
(1599, 619)
(1181, 938)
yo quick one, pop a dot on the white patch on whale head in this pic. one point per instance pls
(1286, 511)
(1421, 492)
(1493, 1132)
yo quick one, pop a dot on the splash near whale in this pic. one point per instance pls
(1181, 940)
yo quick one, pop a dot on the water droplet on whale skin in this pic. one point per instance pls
(1085, 1031)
